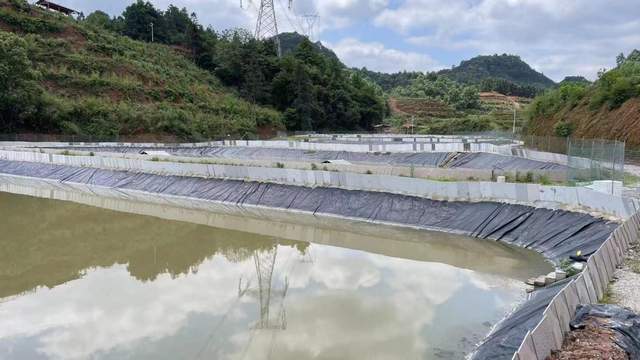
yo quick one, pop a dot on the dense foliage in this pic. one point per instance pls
(566, 95)
(84, 77)
(575, 79)
(289, 42)
(386, 81)
(509, 88)
(509, 68)
(612, 89)
(308, 84)
(435, 87)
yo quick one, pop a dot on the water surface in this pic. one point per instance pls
(80, 282)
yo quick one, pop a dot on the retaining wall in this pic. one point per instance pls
(379, 147)
(575, 198)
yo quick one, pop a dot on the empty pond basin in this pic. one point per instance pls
(80, 282)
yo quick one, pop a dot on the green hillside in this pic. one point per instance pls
(103, 77)
(507, 74)
(63, 76)
(608, 108)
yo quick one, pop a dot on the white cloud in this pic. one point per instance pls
(557, 37)
(375, 56)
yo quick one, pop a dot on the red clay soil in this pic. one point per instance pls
(622, 123)
(593, 342)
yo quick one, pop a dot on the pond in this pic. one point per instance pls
(157, 282)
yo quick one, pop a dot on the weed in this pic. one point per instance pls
(565, 265)
(314, 166)
(155, 158)
(544, 180)
(280, 165)
(368, 172)
(608, 297)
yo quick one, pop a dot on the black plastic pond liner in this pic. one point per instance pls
(499, 162)
(624, 323)
(506, 338)
(479, 161)
(556, 234)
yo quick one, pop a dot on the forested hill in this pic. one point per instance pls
(290, 41)
(608, 108)
(389, 81)
(507, 74)
(103, 77)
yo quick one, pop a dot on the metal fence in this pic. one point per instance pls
(595, 159)
(588, 159)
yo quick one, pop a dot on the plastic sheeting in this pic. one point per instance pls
(501, 162)
(427, 159)
(624, 323)
(554, 233)
(506, 338)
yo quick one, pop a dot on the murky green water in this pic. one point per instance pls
(82, 282)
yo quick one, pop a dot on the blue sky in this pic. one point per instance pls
(556, 37)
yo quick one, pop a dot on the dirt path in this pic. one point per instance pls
(625, 288)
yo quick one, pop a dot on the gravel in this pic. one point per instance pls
(625, 290)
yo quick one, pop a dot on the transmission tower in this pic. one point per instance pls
(310, 20)
(267, 23)
(267, 296)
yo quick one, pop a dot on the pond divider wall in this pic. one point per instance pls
(517, 222)
(417, 171)
(575, 198)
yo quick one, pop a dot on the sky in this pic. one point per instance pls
(556, 37)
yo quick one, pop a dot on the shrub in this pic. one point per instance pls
(563, 129)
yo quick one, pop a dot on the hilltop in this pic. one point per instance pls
(290, 41)
(507, 74)
(103, 77)
(608, 108)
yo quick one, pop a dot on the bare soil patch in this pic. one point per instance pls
(593, 342)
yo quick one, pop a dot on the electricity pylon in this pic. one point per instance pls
(310, 20)
(265, 261)
(267, 23)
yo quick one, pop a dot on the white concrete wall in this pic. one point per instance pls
(575, 198)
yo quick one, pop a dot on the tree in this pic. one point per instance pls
(19, 93)
(99, 19)
(138, 18)
(178, 25)
(620, 59)
(634, 56)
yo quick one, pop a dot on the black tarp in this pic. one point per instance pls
(506, 338)
(624, 323)
(556, 234)
(479, 161)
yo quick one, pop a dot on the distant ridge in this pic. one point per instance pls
(503, 67)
